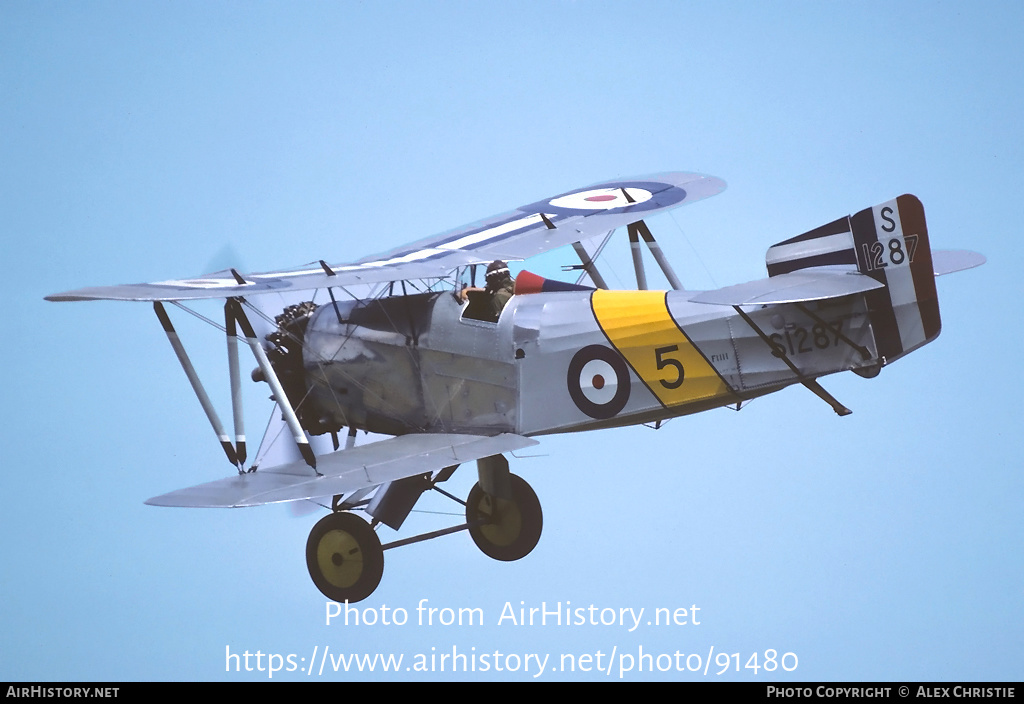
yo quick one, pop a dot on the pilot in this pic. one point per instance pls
(500, 288)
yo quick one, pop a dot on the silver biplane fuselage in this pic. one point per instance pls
(414, 364)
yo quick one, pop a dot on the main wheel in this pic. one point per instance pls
(344, 557)
(509, 529)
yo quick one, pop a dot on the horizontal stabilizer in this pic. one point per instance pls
(948, 261)
(344, 471)
(794, 287)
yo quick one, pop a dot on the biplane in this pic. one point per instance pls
(390, 345)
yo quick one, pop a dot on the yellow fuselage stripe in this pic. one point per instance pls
(640, 327)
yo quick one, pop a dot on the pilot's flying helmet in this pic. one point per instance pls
(497, 271)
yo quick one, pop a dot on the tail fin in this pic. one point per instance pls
(892, 247)
(889, 243)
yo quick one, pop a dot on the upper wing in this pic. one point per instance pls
(344, 471)
(522, 233)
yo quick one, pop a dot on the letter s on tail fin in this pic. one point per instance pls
(891, 245)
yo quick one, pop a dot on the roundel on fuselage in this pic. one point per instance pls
(598, 381)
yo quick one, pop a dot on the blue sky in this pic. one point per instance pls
(143, 141)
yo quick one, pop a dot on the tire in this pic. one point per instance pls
(505, 530)
(344, 557)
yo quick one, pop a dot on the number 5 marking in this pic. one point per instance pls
(669, 362)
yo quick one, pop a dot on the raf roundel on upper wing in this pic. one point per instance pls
(602, 198)
(637, 196)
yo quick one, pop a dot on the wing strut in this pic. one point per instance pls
(197, 385)
(236, 384)
(637, 230)
(587, 262)
(330, 272)
(812, 385)
(638, 256)
(275, 384)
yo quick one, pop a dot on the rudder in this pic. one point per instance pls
(891, 246)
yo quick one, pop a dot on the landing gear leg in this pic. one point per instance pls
(505, 529)
(344, 557)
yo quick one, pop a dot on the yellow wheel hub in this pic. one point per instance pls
(339, 558)
(505, 522)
